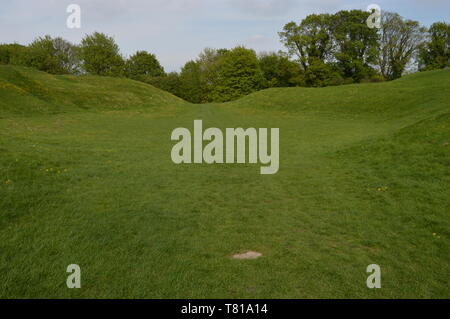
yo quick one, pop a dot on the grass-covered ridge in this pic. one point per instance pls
(364, 178)
(415, 93)
(26, 91)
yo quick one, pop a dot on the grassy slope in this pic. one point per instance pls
(364, 178)
(24, 91)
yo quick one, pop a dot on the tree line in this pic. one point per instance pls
(322, 50)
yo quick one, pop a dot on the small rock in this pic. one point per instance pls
(248, 255)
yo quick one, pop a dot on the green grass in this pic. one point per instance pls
(86, 177)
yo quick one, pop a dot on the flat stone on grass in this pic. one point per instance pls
(247, 255)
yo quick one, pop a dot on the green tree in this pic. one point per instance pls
(13, 54)
(68, 55)
(100, 55)
(142, 65)
(192, 86)
(279, 71)
(399, 42)
(435, 53)
(321, 74)
(42, 56)
(355, 44)
(198, 78)
(169, 82)
(209, 63)
(56, 56)
(238, 75)
(310, 40)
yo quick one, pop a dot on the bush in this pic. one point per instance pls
(170, 82)
(278, 70)
(55, 56)
(12, 53)
(320, 74)
(373, 78)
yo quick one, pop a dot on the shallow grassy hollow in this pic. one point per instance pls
(86, 178)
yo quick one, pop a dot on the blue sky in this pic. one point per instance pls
(177, 30)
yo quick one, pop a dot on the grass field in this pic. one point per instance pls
(86, 178)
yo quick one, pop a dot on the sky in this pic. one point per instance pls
(176, 31)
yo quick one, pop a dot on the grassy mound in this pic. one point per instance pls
(418, 94)
(25, 91)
